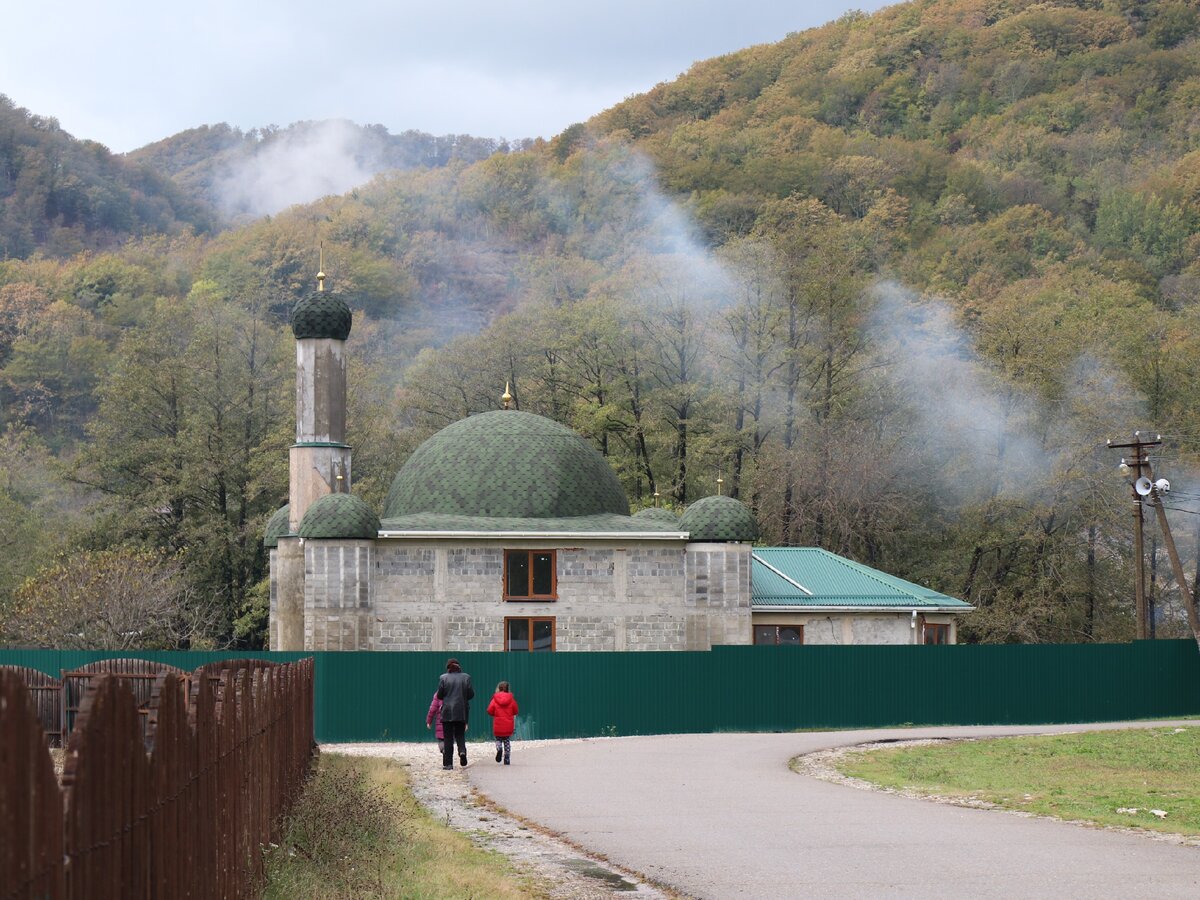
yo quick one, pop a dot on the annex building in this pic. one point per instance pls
(509, 531)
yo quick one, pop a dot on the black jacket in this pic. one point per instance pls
(455, 692)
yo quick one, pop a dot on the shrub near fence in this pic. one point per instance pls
(182, 812)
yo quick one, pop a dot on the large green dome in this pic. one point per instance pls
(506, 463)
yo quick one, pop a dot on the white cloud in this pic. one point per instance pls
(130, 72)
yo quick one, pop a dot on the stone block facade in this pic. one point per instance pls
(448, 595)
(338, 607)
(868, 627)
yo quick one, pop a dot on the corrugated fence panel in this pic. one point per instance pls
(362, 696)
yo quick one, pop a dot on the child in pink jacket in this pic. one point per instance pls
(503, 710)
(435, 715)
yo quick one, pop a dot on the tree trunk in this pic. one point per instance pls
(1089, 626)
(789, 424)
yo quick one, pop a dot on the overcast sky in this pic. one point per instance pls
(129, 72)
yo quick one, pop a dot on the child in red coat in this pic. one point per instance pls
(503, 710)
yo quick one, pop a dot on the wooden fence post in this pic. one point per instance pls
(31, 813)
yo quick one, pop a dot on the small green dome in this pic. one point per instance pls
(340, 516)
(321, 315)
(719, 519)
(657, 514)
(277, 527)
(506, 463)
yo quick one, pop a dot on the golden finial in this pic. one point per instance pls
(506, 397)
(720, 484)
(321, 269)
(656, 496)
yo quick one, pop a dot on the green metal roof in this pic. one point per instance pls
(719, 519)
(506, 464)
(277, 526)
(657, 514)
(601, 523)
(833, 580)
(339, 516)
(321, 315)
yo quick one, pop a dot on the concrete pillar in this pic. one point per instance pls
(620, 641)
(441, 579)
(339, 608)
(273, 605)
(621, 575)
(697, 632)
(314, 471)
(320, 390)
(717, 585)
(320, 458)
(287, 571)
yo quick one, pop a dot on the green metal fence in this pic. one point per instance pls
(364, 696)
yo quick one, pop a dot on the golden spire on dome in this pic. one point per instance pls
(321, 269)
(506, 397)
(720, 484)
(656, 496)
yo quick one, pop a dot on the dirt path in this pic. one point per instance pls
(565, 870)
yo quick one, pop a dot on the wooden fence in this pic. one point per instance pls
(58, 700)
(46, 693)
(178, 807)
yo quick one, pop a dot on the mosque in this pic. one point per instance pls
(509, 531)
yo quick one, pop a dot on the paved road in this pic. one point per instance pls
(721, 815)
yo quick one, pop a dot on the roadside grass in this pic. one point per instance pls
(1086, 776)
(358, 831)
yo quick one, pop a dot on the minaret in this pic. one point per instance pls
(320, 458)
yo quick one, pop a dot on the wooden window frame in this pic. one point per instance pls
(532, 597)
(553, 620)
(942, 628)
(798, 627)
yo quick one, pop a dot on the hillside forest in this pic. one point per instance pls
(893, 282)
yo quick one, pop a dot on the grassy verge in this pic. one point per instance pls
(358, 832)
(1072, 776)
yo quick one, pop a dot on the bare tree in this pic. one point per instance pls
(109, 600)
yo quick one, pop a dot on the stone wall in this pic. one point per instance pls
(338, 609)
(847, 628)
(648, 595)
(287, 595)
(717, 595)
(448, 596)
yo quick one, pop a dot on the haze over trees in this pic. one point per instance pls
(893, 280)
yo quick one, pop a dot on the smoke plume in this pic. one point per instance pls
(299, 165)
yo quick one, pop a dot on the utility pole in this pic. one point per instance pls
(1138, 465)
(1185, 593)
